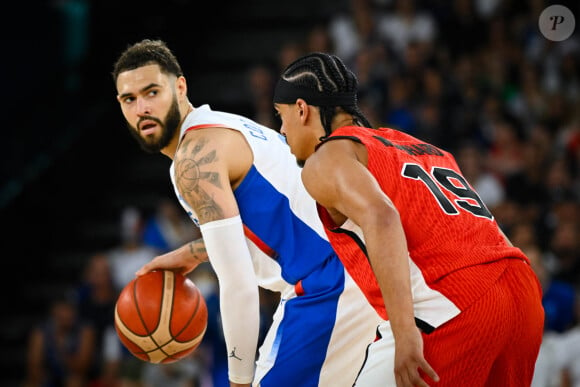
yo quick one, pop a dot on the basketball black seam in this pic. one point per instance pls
(174, 337)
(149, 334)
(159, 347)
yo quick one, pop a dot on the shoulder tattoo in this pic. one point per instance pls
(193, 170)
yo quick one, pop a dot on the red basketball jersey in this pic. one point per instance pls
(451, 235)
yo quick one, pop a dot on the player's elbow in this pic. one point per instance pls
(382, 217)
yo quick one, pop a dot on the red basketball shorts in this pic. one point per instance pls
(495, 342)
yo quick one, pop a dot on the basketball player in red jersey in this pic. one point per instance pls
(461, 305)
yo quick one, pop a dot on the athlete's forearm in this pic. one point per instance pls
(389, 257)
(197, 250)
(239, 298)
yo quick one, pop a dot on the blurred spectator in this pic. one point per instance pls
(506, 153)
(352, 29)
(558, 363)
(399, 114)
(568, 142)
(462, 20)
(131, 253)
(213, 344)
(260, 83)
(571, 350)
(565, 251)
(548, 371)
(486, 8)
(95, 299)
(528, 186)
(319, 40)
(470, 159)
(169, 227)
(372, 66)
(430, 125)
(559, 181)
(406, 24)
(60, 349)
(528, 103)
(288, 53)
(125, 260)
(508, 213)
(548, 364)
(569, 75)
(463, 105)
(523, 235)
(558, 297)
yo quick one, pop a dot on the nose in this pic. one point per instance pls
(143, 107)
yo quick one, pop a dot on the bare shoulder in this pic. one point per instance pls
(343, 148)
(334, 153)
(329, 167)
(205, 173)
(225, 149)
(196, 164)
(212, 137)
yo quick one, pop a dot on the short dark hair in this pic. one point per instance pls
(144, 53)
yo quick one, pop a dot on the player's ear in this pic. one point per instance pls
(181, 86)
(303, 109)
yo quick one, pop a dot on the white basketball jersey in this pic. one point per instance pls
(282, 227)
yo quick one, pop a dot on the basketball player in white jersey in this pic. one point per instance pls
(239, 182)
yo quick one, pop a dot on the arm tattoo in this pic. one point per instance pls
(198, 253)
(191, 170)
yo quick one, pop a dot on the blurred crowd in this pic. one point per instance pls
(474, 77)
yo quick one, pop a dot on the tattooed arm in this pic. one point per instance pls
(205, 182)
(208, 163)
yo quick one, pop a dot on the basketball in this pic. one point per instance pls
(161, 317)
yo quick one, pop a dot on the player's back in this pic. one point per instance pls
(445, 221)
(447, 226)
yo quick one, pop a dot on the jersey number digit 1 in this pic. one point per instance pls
(443, 176)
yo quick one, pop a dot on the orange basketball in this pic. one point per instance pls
(161, 316)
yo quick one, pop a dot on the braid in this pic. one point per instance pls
(327, 74)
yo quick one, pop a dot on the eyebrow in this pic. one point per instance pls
(144, 89)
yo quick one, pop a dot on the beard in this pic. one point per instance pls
(169, 126)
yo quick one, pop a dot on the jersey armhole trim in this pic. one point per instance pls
(352, 138)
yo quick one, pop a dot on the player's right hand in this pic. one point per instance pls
(182, 260)
(410, 363)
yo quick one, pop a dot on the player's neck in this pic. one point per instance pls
(170, 149)
(340, 120)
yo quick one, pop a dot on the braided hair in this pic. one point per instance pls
(326, 74)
